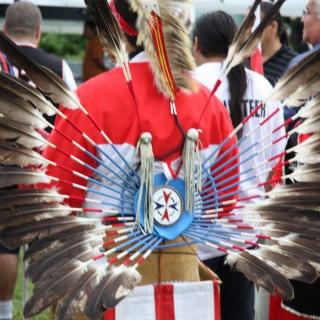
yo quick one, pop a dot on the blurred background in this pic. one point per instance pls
(64, 20)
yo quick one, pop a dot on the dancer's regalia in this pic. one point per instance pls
(149, 161)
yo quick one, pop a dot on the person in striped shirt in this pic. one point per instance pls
(274, 44)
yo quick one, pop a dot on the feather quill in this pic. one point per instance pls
(42, 299)
(10, 176)
(110, 33)
(57, 270)
(307, 173)
(122, 282)
(301, 247)
(243, 33)
(311, 158)
(298, 75)
(39, 247)
(241, 50)
(16, 216)
(172, 71)
(27, 92)
(14, 154)
(78, 295)
(309, 126)
(294, 245)
(311, 108)
(293, 189)
(304, 91)
(290, 267)
(14, 237)
(20, 133)
(115, 284)
(15, 108)
(307, 147)
(262, 274)
(286, 213)
(17, 198)
(67, 251)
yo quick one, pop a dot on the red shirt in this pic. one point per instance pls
(108, 100)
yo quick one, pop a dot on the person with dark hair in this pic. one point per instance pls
(93, 63)
(241, 92)
(275, 46)
(108, 99)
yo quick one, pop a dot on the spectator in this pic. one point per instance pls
(23, 25)
(93, 57)
(241, 92)
(274, 44)
(311, 29)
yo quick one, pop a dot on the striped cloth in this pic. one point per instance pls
(5, 66)
(275, 67)
(178, 301)
(280, 311)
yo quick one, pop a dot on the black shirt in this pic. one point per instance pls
(46, 59)
(275, 67)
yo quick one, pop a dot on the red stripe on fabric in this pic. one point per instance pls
(172, 172)
(274, 307)
(122, 22)
(277, 312)
(286, 315)
(4, 63)
(164, 302)
(110, 314)
(216, 300)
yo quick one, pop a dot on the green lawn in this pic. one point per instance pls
(18, 300)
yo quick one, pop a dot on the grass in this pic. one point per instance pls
(18, 307)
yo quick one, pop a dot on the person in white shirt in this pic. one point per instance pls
(241, 92)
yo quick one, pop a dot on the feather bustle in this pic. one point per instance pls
(262, 274)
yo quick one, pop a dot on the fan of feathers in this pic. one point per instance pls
(91, 262)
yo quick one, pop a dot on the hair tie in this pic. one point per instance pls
(123, 23)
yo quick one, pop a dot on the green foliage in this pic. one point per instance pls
(67, 46)
(18, 307)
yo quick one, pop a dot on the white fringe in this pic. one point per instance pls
(146, 181)
(192, 160)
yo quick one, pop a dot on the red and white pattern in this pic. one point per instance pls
(178, 301)
(278, 311)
